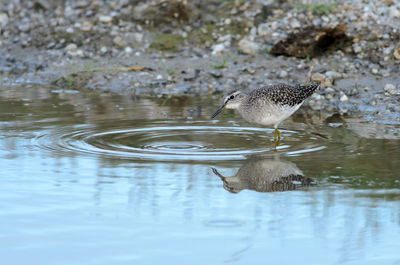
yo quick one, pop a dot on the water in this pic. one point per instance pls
(97, 178)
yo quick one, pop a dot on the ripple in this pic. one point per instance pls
(175, 143)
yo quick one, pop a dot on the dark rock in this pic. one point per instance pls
(312, 41)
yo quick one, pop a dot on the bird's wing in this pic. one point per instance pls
(283, 94)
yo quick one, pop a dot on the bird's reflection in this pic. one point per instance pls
(266, 175)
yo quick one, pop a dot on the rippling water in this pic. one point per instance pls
(97, 178)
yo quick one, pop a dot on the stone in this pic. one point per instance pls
(317, 77)
(105, 19)
(344, 98)
(218, 48)
(72, 47)
(394, 12)
(283, 74)
(128, 50)
(86, 26)
(3, 19)
(333, 75)
(138, 36)
(357, 48)
(396, 53)
(118, 41)
(248, 47)
(103, 50)
(295, 24)
(391, 89)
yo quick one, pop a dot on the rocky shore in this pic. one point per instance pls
(183, 48)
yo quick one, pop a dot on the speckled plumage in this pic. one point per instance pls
(282, 94)
(270, 105)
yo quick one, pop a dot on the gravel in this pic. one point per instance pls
(226, 44)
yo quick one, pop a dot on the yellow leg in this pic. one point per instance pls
(277, 134)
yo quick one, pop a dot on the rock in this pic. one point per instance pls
(332, 75)
(310, 41)
(283, 74)
(263, 29)
(317, 77)
(391, 89)
(295, 24)
(394, 12)
(105, 19)
(128, 50)
(138, 36)
(3, 19)
(375, 71)
(103, 50)
(119, 42)
(72, 47)
(86, 26)
(344, 98)
(218, 48)
(396, 53)
(357, 48)
(248, 47)
(24, 27)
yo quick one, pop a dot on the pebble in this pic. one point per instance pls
(3, 19)
(128, 50)
(394, 12)
(248, 47)
(344, 98)
(357, 48)
(105, 19)
(333, 75)
(119, 42)
(263, 29)
(283, 74)
(391, 89)
(295, 24)
(86, 26)
(71, 47)
(138, 36)
(103, 50)
(396, 53)
(218, 48)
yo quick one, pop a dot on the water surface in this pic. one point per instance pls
(97, 178)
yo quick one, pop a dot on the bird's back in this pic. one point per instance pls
(283, 94)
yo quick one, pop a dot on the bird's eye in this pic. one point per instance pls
(232, 97)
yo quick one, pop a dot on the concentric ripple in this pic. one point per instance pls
(176, 142)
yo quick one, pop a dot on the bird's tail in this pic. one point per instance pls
(307, 90)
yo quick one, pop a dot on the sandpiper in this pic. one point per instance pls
(268, 105)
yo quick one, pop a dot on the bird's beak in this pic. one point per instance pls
(218, 111)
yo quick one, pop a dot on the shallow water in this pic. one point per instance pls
(97, 178)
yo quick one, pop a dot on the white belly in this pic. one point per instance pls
(273, 115)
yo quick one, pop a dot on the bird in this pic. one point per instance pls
(268, 105)
(265, 175)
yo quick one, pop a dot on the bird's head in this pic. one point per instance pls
(232, 101)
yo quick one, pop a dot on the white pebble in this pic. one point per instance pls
(344, 98)
(105, 19)
(71, 47)
(283, 74)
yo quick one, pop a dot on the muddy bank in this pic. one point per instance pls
(175, 48)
